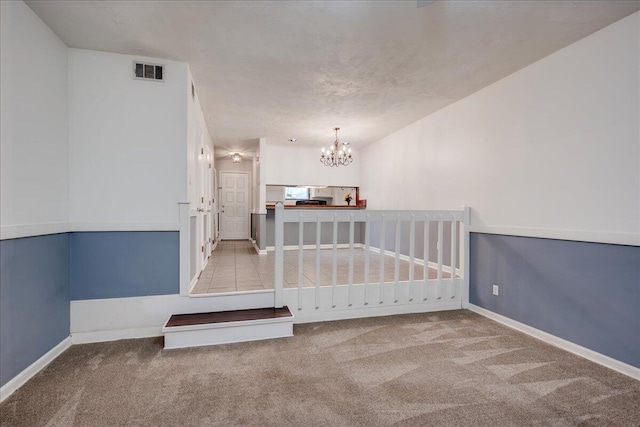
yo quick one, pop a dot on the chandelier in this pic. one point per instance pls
(236, 157)
(337, 154)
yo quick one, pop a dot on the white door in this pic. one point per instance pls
(201, 202)
(206, 204)
(234, 206)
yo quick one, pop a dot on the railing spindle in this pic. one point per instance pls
(351, 239)
(318, 239)
(440, 250)
(396, 271)
(382, 255)
(425, 255)
(367, 255)
(464, 256)
(300, 258)
(335, 260)
(454, 254)
(412, 254)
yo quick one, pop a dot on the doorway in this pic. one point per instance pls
(234, 205)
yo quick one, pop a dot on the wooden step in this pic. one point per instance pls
(223, 327)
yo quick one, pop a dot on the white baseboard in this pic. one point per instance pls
(24, 376)
(115, 335)
(258, 250)
(322, 246)
(417, 261)
(588, 354)
(193, 282)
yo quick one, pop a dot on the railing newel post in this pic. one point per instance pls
(279, 256)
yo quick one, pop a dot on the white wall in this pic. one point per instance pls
(225, 164)
(262, 178)
(128, 166)
(551, 150)
(298, 165)
(197, 136)
(33, 122)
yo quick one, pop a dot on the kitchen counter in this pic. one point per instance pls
(354, 207)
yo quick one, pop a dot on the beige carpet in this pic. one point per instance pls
(448, 368)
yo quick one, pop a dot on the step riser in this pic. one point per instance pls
(227, 335)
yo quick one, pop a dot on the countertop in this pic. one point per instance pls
(353, 207)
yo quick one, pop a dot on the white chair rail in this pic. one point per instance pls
(448, 285)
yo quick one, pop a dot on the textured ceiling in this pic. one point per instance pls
(285, 69)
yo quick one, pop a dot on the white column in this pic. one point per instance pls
(185, 236)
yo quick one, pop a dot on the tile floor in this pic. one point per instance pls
(235, 266)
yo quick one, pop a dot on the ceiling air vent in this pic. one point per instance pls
(144, 71)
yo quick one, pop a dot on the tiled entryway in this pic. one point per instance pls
(235, 266)
(231, 268)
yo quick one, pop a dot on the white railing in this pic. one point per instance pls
(448, 292)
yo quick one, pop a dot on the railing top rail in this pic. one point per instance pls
(342, 215)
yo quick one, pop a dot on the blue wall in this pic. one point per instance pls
(34, 300)
(586, 293)
(124, 264)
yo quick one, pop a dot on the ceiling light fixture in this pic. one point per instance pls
(292, 140)
(236, 157)
(337, 154)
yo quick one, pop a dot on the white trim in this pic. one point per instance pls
(232, 293)
(588, 354)
(313, 246)
(32, 230)
(140, 317)
(114, 335)
(258, 250)
(185, 250)
(357, 313)
(192, 283)
(24, 376)
(125, 226)
(417, 261)
(632, 239)
(224, 325)
(434, 265)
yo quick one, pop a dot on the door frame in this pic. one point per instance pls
(249, 201)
